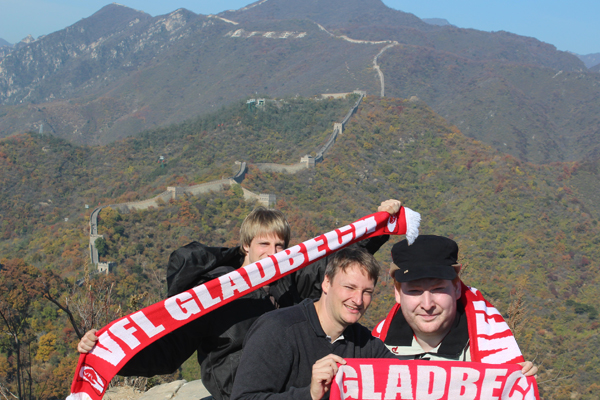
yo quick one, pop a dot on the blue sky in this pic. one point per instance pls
(570, 25)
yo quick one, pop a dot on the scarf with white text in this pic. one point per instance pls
(120, 340)
(385, 378)
(491, 340)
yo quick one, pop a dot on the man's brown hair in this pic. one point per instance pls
(264, 222)
(350, 257)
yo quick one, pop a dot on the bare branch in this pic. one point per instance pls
(517, 312)
(5, 392)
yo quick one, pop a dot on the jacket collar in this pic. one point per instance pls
(401, 334)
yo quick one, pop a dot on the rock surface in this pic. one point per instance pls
(176, 390)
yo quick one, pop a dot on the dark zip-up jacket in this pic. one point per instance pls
(282, 347)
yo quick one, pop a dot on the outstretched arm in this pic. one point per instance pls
(163, 356)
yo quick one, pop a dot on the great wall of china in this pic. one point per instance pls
(174, 192)
(214, 186)
(388, 45)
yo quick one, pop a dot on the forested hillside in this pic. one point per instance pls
(527, 233)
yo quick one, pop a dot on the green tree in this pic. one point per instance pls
(101, 246)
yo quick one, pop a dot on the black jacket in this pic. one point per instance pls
(282, 347)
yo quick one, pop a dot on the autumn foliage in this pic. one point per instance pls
(528, 232)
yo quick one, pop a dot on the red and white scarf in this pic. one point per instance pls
(122, 339)
(491, 340)
(385, 378)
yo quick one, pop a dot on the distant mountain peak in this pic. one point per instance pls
(329, 13)
(109, 19)
(25, 41)
(249, 6)
(182, 12)
(116, 7)
(437, 21)
(590, 60)
(28, 39)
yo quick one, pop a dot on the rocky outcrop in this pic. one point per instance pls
(176, 390)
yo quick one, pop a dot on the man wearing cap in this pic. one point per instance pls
(437, 317)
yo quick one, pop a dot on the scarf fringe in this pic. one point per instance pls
(413, 220)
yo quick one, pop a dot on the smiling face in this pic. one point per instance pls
(346, 298)
(429, 307)
(261, 247)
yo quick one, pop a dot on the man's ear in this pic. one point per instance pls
(246, 248)
(396, 292)
(457, 268)
(458, 289)
(326, 284)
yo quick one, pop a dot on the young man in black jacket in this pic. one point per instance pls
(292, 353)
(218, 336)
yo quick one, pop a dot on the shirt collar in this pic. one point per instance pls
(313, 319)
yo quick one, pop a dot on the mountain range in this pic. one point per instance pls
(121, 71)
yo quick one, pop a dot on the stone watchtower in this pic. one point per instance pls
(267, 200)
(308, 160)
(176, 191)
(106, 268)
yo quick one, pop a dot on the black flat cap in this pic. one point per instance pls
(429, 256)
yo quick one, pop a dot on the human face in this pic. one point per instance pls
(262, 247)
(429, 306)
(347, 297)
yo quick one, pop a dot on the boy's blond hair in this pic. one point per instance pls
(264, 222)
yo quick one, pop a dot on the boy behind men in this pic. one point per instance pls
(217, 336)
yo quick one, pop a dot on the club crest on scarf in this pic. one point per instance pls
(89, 374)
